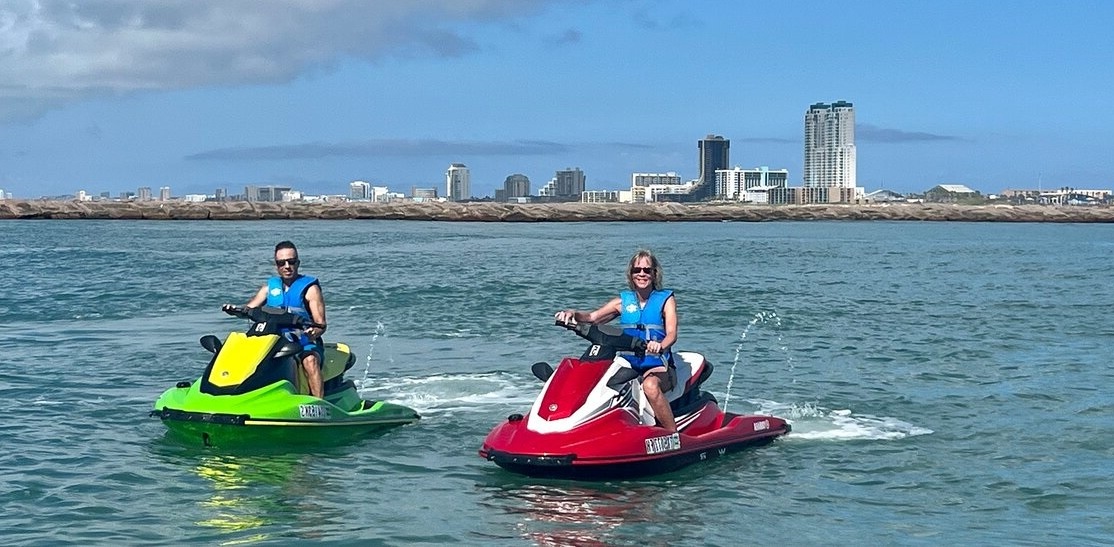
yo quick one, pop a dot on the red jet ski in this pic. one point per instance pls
(592, 420)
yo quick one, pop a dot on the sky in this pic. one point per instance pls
(111, 95)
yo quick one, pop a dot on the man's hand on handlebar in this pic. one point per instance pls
(565, 317)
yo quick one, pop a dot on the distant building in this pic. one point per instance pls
(830, 156)
(458, 186)
(949, 193)
(800, 195)
(266, 193)
(715, 154)
(569, 183)
(195, 198)
(648, 187)
(220, 194)
(516, 186)
(599, 196)
(733, 184)
(359, 190)
(759, 195)
(547, 190)
(649, 179)
(380, 194)
(1065, 196)
(3, 195)
(423, 193)
(882, 196)
(143, 193)
(164, 193)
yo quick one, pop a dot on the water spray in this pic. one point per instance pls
(760, 317)
(379, 329)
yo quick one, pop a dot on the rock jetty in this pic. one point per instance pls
(543, 212)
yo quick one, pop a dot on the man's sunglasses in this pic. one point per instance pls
(649, 271)
(291, 261)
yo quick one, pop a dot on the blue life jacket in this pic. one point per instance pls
(645, 322)
(292, 298)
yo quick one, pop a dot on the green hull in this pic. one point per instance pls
(274, 414)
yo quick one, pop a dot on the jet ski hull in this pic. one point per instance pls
(274, 414)
(616, 446)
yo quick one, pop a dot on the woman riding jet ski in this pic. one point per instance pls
(247, 393)
(592, 420)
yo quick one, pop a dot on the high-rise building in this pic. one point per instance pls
(143, 193)
(458, 186)
(715, 154)
(569, 184)
(164, 193)
(830, 146)
(220, 194)
(516, 186)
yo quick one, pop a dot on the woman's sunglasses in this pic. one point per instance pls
(648, 271)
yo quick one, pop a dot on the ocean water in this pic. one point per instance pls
(948, 383)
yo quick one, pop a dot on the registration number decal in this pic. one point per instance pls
(762, 426)
(313, 411)
(657, 445)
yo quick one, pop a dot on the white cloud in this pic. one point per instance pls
(56, 51)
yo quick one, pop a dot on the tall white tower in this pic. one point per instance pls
(458, 187)
(830, 146)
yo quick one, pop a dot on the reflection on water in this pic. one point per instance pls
(248, 497)
(572, 514)
(235, 504)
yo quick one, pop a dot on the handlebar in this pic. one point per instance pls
(605, 335)
(264, 314)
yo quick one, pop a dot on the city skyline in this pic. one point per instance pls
(316, 96)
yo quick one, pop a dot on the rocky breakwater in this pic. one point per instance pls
(543, 212)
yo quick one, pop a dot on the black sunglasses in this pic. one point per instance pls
(637, 270)
(291, 261)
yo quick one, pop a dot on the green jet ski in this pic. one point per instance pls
(248, 393)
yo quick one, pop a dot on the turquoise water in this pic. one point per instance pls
(947, 382)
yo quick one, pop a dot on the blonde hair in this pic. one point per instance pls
(656, 280)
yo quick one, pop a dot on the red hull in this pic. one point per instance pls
(615, 445)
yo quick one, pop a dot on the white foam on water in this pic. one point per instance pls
(453, 393)
(813, 422)
(43, 401)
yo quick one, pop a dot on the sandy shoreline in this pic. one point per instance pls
(544, 212)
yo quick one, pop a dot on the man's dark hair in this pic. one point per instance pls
(286, 245)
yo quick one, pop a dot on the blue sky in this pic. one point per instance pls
(110, 95)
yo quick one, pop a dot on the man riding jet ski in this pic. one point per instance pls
(592, 420)
(248, 391)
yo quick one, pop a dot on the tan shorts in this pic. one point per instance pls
(666, 378)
